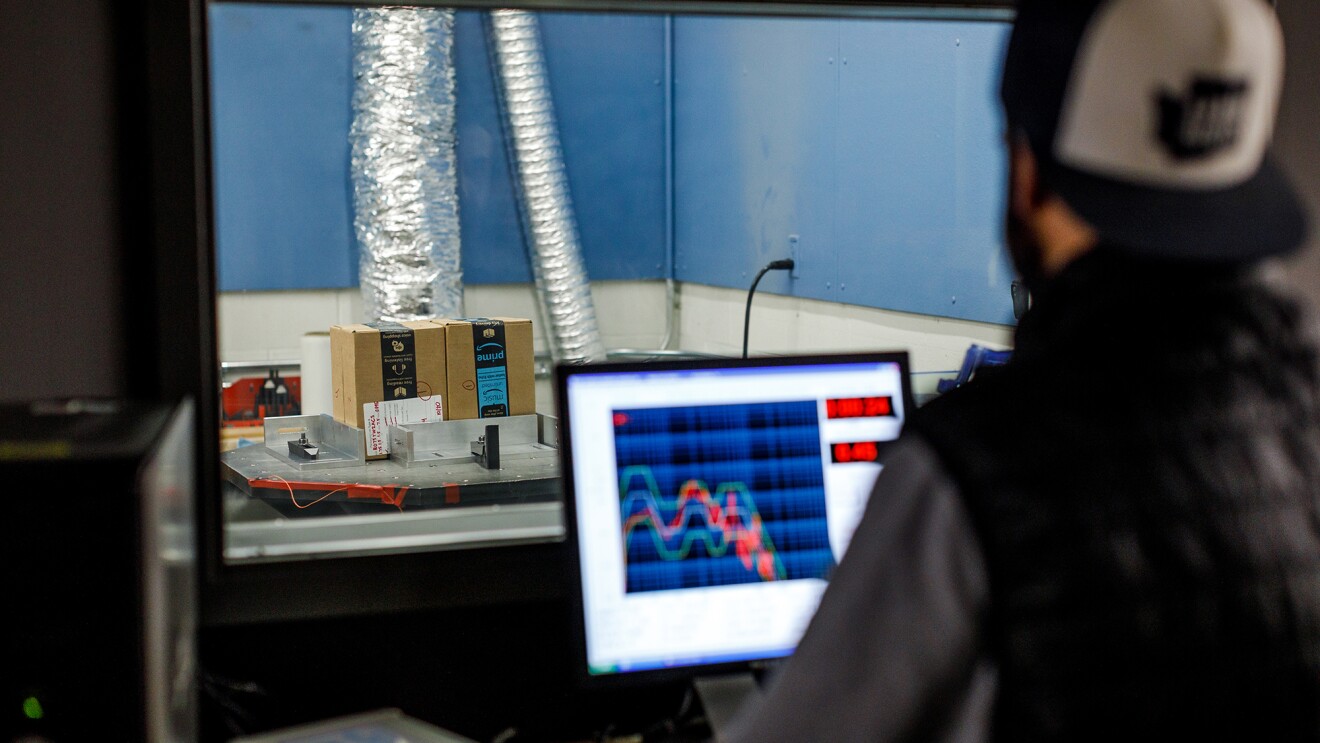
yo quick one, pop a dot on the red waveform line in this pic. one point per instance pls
(737, 521)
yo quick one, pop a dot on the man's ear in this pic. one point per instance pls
(1025, 193)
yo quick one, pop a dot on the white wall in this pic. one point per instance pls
(713, 319)
(268, 326)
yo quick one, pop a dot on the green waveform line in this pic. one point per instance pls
(758, 550)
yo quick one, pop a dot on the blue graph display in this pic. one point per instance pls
(721, 494)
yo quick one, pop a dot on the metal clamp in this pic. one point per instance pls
(487, 448)
(303, 449)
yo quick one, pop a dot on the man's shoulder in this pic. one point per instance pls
(980, 427)
(988, 400)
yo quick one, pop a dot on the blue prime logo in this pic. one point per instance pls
(490, 352)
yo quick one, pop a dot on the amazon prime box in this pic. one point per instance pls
(490, 367)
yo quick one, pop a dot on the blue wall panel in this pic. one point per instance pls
(876, 143)
(280, 84)
(488, 215)
(606, 76)
(281, 99)
(756, 121)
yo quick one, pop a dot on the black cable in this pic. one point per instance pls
(783, 264)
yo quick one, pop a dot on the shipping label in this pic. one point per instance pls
(379, 416)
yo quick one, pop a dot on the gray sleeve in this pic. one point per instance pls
(893, 652)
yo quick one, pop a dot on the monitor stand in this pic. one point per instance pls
(722, 696)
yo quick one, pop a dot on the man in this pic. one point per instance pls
(1116, 536)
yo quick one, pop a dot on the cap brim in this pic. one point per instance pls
(1258, 218)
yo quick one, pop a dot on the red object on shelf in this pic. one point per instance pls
(249, 400)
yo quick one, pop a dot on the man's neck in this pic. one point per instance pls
(1062, 235)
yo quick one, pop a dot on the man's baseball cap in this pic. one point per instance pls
(1152, 120)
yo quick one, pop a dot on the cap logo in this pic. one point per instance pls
(1204, 120)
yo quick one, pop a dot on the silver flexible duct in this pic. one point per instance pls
(549, 225)
(404, 164)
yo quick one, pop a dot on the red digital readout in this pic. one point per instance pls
(860, 451)
(860, 407)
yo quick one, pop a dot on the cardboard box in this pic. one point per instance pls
(380, 362)
(490, 367)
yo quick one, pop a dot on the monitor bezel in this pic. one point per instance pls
(573, 559)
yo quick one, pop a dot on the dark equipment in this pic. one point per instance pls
(97, 556)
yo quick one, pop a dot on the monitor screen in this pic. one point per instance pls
(709, 500)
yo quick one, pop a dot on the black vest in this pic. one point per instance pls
(1144, 477)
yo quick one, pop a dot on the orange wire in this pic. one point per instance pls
(294, 498)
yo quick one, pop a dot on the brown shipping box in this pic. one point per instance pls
(490, 367)
(381, 362)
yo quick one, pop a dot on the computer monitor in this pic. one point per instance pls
(708, 500)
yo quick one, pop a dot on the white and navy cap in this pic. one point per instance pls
(1152, 119)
